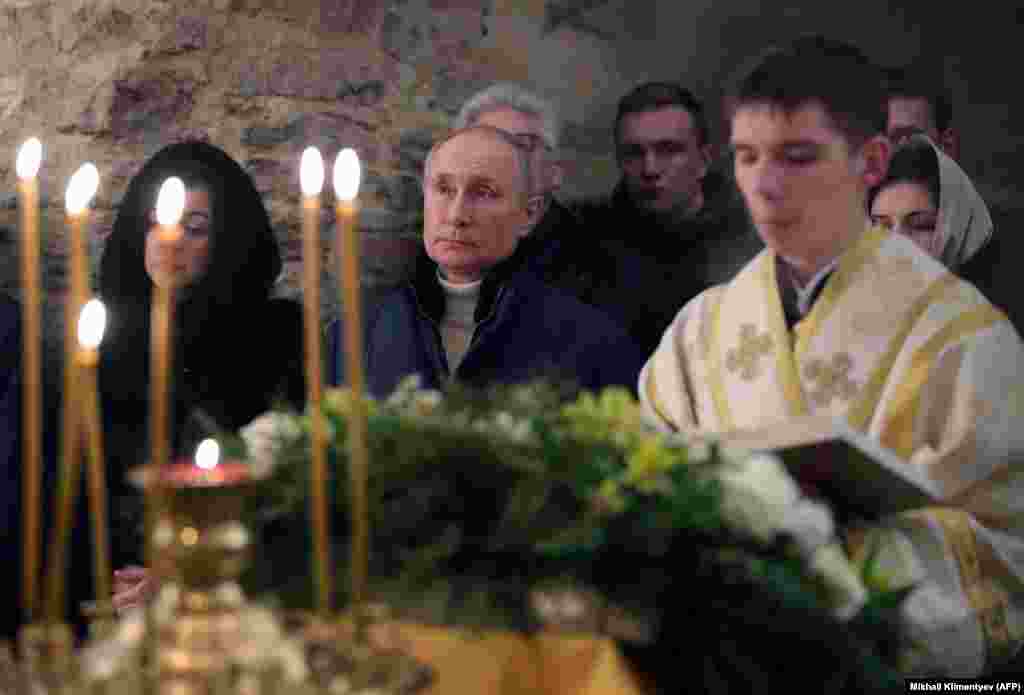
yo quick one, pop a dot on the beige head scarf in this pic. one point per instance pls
(965, 225)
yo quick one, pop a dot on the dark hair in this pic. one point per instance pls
(913, 162)
(919, 81)
(652, 96)
(812, 69)
(244, 258)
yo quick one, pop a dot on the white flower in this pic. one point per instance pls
(757, 493)
(425, 402)
(896, 563)
(512, 427)
(263, 438)
(810, 523)
(845, 589)
(405, 390)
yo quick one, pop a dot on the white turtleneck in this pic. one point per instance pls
(457, 324)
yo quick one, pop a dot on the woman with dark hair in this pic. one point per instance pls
(928, 197)
(236, 352)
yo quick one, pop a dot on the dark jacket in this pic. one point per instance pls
(525, 330)
(236, 351)
(10, 459)
(995, 268)
(11, 442)
(640, 268)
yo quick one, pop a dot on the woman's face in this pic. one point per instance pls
(908, 208)
(183, 262)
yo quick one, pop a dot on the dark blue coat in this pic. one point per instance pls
(10, 459)
(525, 330)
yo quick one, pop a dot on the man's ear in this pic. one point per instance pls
(706, 155)
(949, 141)
(557, 173)
(535, 208)
(873, 160)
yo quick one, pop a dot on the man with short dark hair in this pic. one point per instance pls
(671, 227)
(661, 145)
(918, 102)
(836, 319)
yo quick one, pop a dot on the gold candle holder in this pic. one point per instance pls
(203, 548)
(47, 658)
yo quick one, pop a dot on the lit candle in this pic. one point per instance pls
(346, 187)
(91, 325)
(27, 166)
(81, 189)
(170, 204)
(311, 178)
(206, 469)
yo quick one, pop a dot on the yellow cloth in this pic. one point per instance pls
(918, 360)
(504, 663)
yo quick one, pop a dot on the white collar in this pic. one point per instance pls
(806, 294)
(461, 289)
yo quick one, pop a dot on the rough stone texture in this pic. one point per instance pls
(352, 16)
(190, 33)
(140, 107)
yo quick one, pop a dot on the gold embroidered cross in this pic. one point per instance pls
(746, 358)
(831, 381)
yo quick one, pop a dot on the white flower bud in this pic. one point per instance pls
(846, 591)
(757, 493)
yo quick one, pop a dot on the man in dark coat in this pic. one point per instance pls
(671, 228)
(474, 311)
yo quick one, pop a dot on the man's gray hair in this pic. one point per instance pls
(513, 96)
(523, 159)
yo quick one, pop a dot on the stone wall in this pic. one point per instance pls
(111, 81)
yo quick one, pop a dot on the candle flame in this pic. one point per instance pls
(347, 173)
(170, 202)
(81, 188)
(208, 454)
(311, 172)
(30, 154)
(91, 324)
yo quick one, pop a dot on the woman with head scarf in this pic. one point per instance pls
(928, 197)
(236, 351)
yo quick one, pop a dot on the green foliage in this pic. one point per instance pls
(479, 497)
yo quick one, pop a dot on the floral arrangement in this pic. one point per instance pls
(516, 508)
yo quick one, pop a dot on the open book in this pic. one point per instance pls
(855, 473)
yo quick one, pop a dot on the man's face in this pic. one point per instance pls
(528, 130)
(662, 159)
(476, 207)
(907, 116)
(804, 187)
